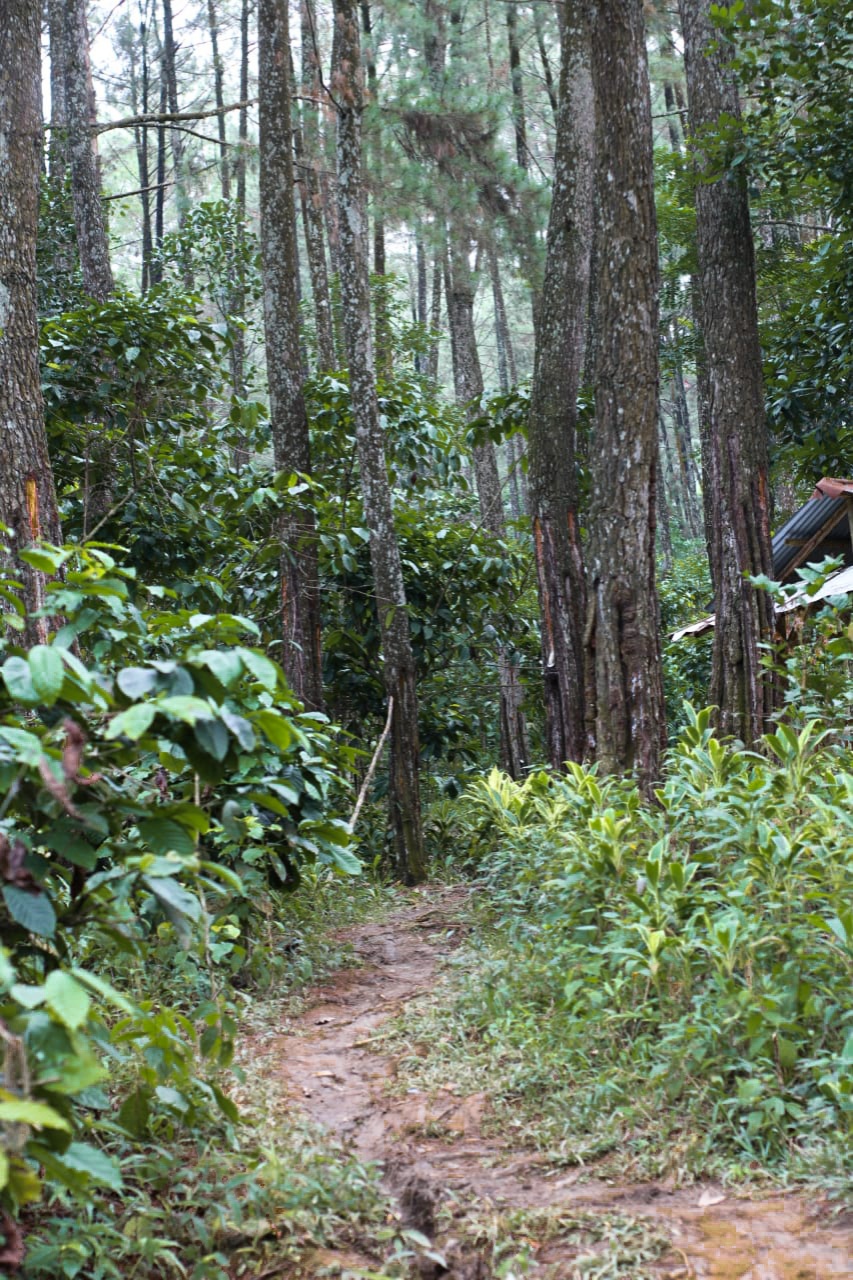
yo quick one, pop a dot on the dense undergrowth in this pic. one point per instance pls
(668, 983)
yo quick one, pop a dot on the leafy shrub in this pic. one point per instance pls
(700, 949)
(156, 775)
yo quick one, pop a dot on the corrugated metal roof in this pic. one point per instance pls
(803, 525)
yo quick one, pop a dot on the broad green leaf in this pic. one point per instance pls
(33, 911)
(264, 671)
(133, 722)
(184, 707)
(276, 728)
(27, 746)
(36, 1114)
(45, 559)
(135, 682)
(135, 1111)
(212, 736)
(240, 727)
(47, 672)
(225, 664)
(4, 1169)
(67, 999)
(62, 838)
(165, 836)
(18, 679)
(27, 995)
(83, 1158)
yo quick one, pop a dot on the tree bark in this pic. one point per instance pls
(736, 453)
(90, 223)
(518, 117)
(398, 658)
(383, 345)
(626, 709)
(27, 495)
(468, 380)
(219, 98)
(560, 340)
(300, 597)
(435, 315)
(311, 195)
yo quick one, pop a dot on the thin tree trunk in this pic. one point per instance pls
(27, 495)
(160, 194)
(506, 377)
(140, 104)
(435, 316)
(237, 301)
(735, 453)
(623, 635)
(398, 658)
(58, 150)
(539, 26)
(559, 358)
(300, 597)
(89, 220)
(219, 98)
(518, 117)
(384, 354)
(308, 142)
(468, 379)
(169, 71)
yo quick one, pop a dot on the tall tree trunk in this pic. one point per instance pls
(219, 98)
(89, 220)
(518, 117)
(627, 708)
(736, 456)
(384, 354)
(506, 378)
(169, 71)
(398, 658)
(468, 379)
(560, 339)
(237, 301)
(300, 597)
(311, 195)
(435, 315)
(27, 496)
(539, 26)
(160, 194)
(58, 149)
(139, 104)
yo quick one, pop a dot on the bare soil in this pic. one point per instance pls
(434, 1153)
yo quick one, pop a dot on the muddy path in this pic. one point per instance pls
(433, 1152)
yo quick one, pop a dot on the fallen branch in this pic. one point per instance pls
(362, 795)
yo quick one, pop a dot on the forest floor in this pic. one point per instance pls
(487, 1208)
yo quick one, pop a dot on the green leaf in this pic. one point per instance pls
(212, 737)
(276, 728)
(36, 1114)
(67, 999)
(4, 1169)
(47, 672)
(240, 727)
(33, 911)
(135, 1112)
(45, 559)
(18, 680)
(225, 664)
(63, 839)
(83, 1158)
(27, 995)
(27, 745)
(264, 671)
(165, 836)
(133, 722)
(104, 989)
(135, 682)
(184, 707)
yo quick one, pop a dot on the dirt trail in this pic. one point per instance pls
(335, 1077)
